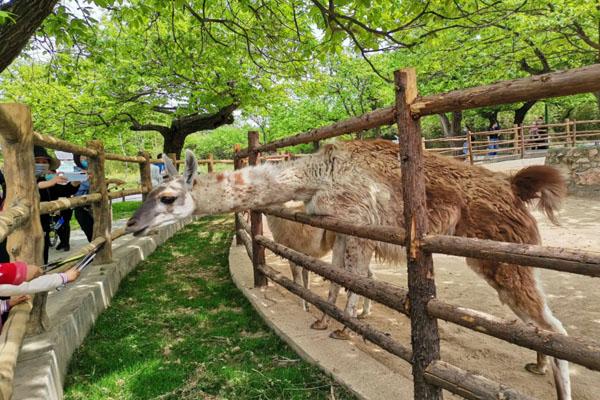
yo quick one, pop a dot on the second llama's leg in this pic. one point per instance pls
(306, 281)
(296, 272)
(518, 288)
(366, 311)
(357, 258)
(337, 260)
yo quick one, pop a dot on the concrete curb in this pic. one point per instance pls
(43, 360)
(351, 367)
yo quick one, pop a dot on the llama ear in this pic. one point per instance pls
(191, 167)
(169, 166)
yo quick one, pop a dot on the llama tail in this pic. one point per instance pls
(543, 183)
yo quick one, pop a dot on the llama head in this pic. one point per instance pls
(168, 202)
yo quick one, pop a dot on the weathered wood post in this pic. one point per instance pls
(258, 251)
(237, 164)
(210, 166)
(574, 132)
(470, 146)
(101, 210)
(568, 133)
(25, 243)
(145, 174)
(421, 285)
(515, 139)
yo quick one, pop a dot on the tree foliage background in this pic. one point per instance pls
(160, 75)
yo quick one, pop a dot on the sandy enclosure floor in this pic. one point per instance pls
(574, 299)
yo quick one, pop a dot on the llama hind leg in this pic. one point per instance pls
(337, 261)
(519, 289)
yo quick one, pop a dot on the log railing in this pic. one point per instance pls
(419, 302)
(20, 219)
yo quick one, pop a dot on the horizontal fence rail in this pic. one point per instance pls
(13, 218)
(555, 258)
(554, 84)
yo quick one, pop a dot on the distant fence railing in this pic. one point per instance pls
(430, 373)
(520, 141)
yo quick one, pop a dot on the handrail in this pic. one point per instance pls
(59, 144)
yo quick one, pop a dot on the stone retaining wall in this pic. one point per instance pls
(581, 167)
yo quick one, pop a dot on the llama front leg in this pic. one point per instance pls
(298, 271)
(337, 261)
(366, 311)
(356, 260)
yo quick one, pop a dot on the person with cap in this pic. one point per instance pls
(44, 163)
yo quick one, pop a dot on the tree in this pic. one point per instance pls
(19, 20)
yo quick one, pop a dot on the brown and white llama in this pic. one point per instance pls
(361, 181)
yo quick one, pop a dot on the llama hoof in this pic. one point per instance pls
(339, 334)
(319, 325)
(363, 315)
(534, 369)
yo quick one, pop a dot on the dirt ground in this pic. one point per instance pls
(574, 299)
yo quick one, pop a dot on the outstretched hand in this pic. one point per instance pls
(72, 274)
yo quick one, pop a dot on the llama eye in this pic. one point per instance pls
(168, 199)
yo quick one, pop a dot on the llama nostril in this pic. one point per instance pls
(131, 222)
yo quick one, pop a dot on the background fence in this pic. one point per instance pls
(520, 141)
(430, 373)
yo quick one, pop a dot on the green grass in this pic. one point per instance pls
(178, 328)
(124, 209)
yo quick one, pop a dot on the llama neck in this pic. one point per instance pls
(252, 187)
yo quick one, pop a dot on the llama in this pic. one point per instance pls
(315, 242)
(310, 240)
(361, 181)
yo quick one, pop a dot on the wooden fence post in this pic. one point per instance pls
(145, 174)
(574, 132)
(25, 243)
(515, 139)
(237, 164)
(421, 285)
(567, 133)
(258, 251)
(101, 210)
(470, 146)
(210, 166)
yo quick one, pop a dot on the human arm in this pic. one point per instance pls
(42, 284)
(58, 179)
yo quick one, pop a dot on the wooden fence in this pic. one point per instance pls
(430, 373)
(20, 219)
(520, 141)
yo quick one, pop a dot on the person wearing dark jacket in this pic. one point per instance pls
(83, 215)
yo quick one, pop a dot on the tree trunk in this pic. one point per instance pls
(181, 127)
(28, 15)
(173, 143)
(456, 123)
(521, 112)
